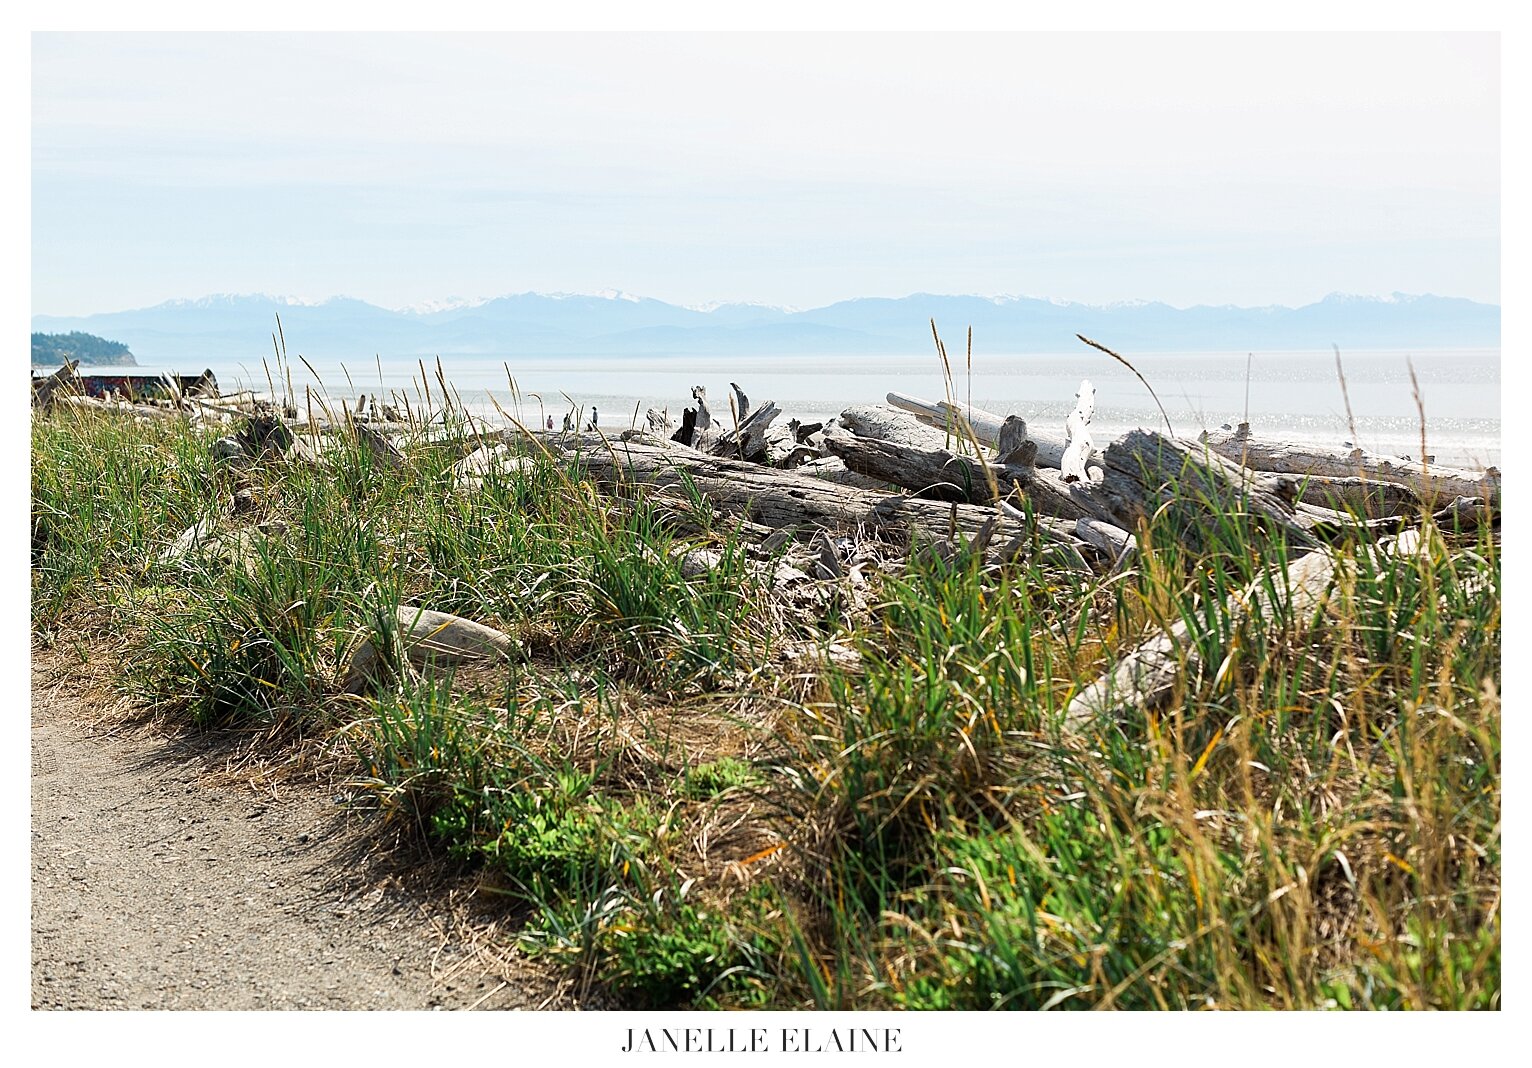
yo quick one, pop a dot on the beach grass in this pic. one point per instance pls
(687, 816)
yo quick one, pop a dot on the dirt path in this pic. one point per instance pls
(152, 889)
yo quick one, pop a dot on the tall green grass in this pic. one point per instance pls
(107, 495)
(1312, 819)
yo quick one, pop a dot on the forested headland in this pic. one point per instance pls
(51, 349)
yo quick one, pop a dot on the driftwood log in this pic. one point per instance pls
(940, 474)
(686, 433)
(1436, 486)
(1146, 470)
(833, 469)
(1364, 496)
(1337, 525)
(1145, 678)
(877, 422)
(488, 461)
(1015, 448)
(786, 499)
(1111, 541)
(141, 411)
(384, 452)
(782, 448)
(986, 425)
(44, 390)
(929, 468)
(741, 403)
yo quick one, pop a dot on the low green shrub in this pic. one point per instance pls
(719, 776)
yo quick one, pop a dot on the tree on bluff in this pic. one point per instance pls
(49, 349)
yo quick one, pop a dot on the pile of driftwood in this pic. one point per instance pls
(817, 500)
(946, 473)
(261, 427)
(193, 397)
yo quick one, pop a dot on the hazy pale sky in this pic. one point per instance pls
(792, 169)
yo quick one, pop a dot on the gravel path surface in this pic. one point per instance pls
(152, 889)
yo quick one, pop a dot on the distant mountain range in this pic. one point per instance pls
(532, 324)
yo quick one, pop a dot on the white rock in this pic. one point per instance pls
(432, 639)
(699, 562)
(189, 539)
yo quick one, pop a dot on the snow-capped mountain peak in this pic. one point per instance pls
(714, 305)
(427, 307)
(230, 300)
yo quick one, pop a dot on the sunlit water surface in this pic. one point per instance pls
(1294, 396)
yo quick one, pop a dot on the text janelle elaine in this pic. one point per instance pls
(762, 1040)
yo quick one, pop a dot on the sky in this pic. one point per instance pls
(790, 169)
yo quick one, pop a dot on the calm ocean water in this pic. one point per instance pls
(1290, 395)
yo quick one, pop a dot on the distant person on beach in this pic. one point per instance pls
(593, 418)
(550, 422)
(567, 423)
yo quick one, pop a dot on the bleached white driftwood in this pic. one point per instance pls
(1408, 543)
(188, 540)
(147, 412)
(784, 445)
(986, 425)
(834, 469)
(880, 422)
(932, 471)
(482, 460)
(1148, 675)
(470, 472)
(1337, 525)
(1463, 510)
(1437, 486)
(1078, 445)
(1367, 497)
(877, 422)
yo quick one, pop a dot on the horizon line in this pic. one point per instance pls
(430, 306)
